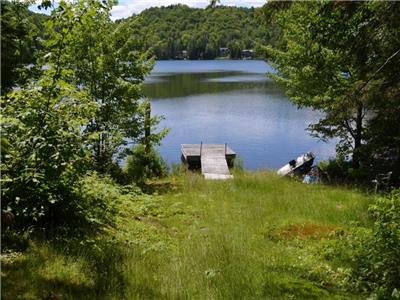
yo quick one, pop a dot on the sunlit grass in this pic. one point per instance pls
(225, 250)
(254, 237)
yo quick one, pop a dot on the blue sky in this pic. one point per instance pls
(126, 8)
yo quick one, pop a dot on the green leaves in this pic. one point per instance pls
(19, 33)
(72, 117)
(42, 125)
(327, 59)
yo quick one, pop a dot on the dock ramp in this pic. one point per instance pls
(213, 159)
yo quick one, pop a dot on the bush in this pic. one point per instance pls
(374, 255)
(98, 198)
(341, 171)
(179, 169)
(378, 265)
(141, 166)
(44, 154)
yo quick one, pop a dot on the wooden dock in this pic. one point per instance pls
(213, 159)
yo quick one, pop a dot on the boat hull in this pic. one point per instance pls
(299, 166)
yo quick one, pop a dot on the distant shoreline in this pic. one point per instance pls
(218, 59)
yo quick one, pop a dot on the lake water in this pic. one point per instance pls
(231, 102)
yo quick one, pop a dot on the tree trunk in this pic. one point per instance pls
(147, 129)
(358, 138)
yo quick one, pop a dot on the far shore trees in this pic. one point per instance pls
(178, 31)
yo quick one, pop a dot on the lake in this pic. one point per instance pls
(231, 101)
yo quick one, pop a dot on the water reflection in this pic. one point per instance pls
(184, 84)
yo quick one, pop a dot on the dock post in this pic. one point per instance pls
(225, 148)
(201, 146)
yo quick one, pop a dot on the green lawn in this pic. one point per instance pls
(255, 237)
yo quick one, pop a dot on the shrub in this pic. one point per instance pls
(141, 166)
(98, 197)
(374, 255)
(179, 169)
(378, 265)
(95, 206)
(44, 155)
(341, 171)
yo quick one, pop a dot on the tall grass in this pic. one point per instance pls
(254, 237)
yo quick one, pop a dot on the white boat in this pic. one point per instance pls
(298, 166)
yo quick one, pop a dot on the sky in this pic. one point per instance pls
(126, 8)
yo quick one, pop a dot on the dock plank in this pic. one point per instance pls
(212, 157)
(213, 162)
(194, 149)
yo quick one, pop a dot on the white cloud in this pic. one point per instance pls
(128, 7)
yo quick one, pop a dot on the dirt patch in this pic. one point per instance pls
(303, 231)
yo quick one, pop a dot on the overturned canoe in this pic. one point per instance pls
(298, 166)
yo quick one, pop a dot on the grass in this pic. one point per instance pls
(255, 237)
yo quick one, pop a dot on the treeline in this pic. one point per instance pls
(178, 31)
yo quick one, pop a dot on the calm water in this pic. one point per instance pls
(230, 102)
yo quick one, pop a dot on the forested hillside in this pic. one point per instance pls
(201, 32)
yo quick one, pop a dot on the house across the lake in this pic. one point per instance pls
(223, 51)
(247, 53)
(182, 55)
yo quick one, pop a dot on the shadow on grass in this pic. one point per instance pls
(22, 279)
(291, 282)
(294, 289)
(52, 272)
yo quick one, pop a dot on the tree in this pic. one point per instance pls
(82, 105)
(335, 57)
(235, 49)
(46, 155)
(18, 33)
(201, 32)
(213, 3)
(111, 64)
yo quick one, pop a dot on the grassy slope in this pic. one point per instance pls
(255, 237)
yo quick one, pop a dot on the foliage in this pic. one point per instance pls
(341, 58)
(201, 32)
(20, 34)
(179, 169)
(372, 256)
(141, 165)
(377, 265)
(341, 171)
(111, 65)
(98, 199)
(70, 118)
(45, 157)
